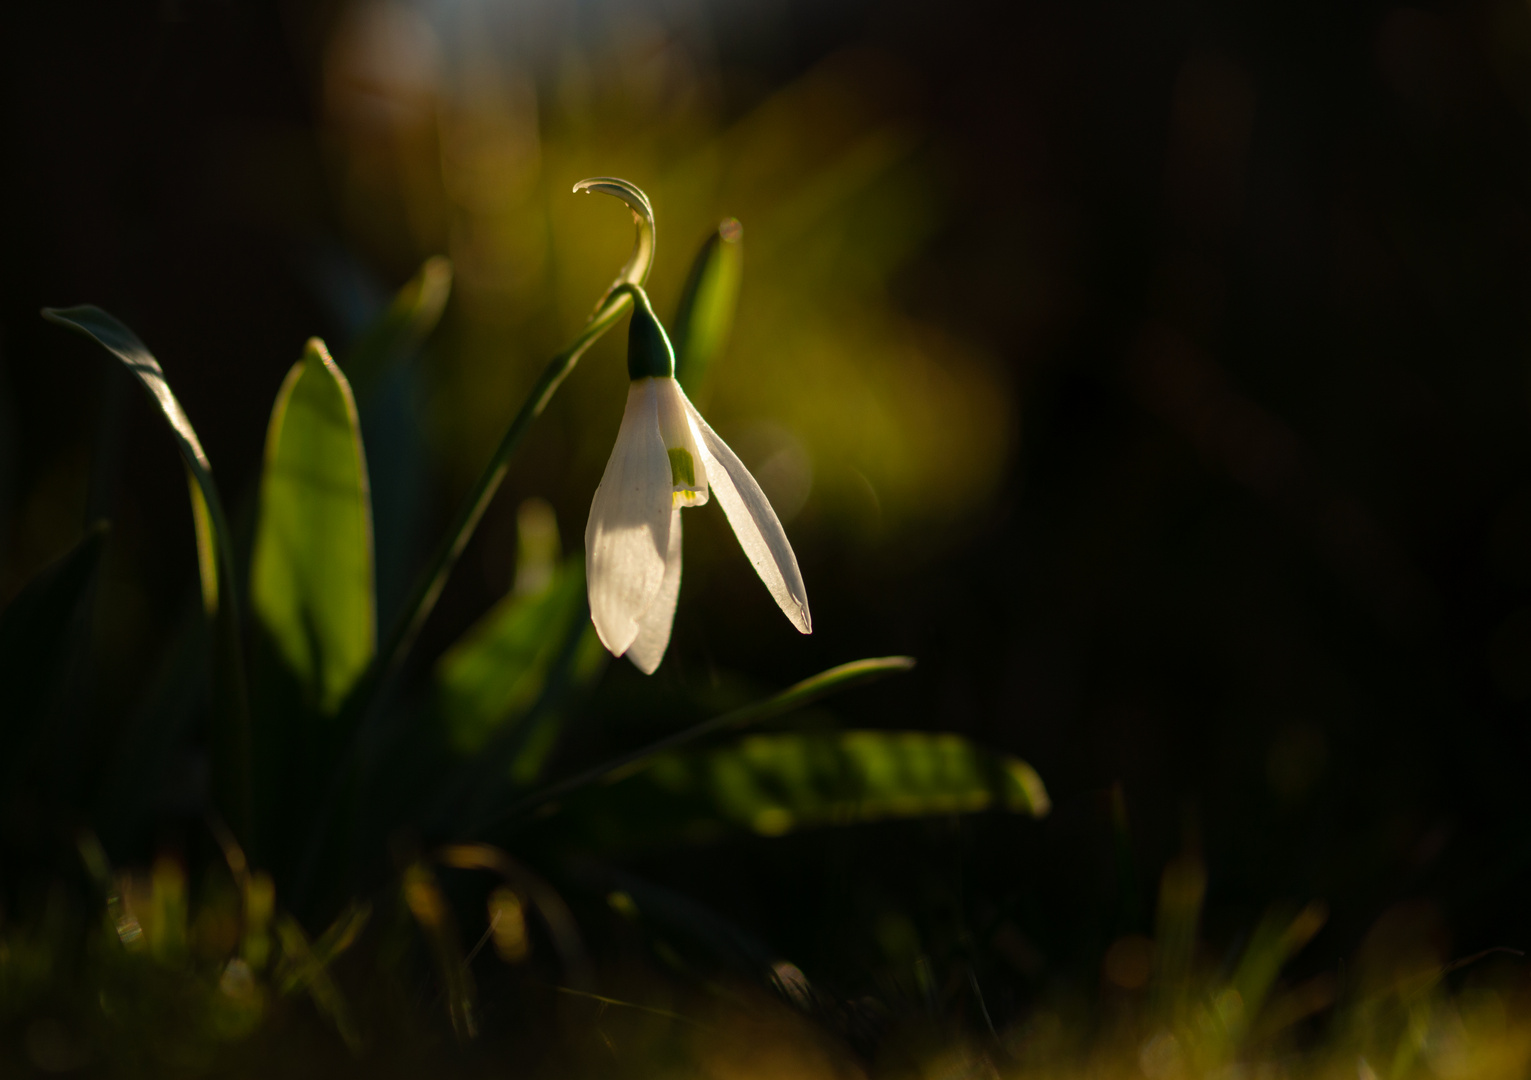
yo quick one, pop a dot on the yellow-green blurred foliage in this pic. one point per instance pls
(855, 416)
(217, 980)
(1171, 1009)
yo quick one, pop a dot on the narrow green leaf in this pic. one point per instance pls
(773, 784)
(207, 546)
(707, 305)
(90, 321)
(36, 632)
(402, 328)
(215, 554)
(385, 379)
(311, 565)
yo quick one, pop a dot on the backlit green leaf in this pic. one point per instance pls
(707, 304)
(493, 676)
(771, 784)
(496, 672)
(311, 566)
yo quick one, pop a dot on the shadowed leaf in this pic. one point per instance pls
(385, 379)
(710, 941)
(773, 784)
(402, 328)
(135, 775)
(311, 566)
(35, 635)
(794, 697)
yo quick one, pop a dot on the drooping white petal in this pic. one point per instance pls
(754, 523)
(687, 474)
(648, 648)
(629, 530)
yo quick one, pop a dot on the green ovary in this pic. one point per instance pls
(682, 468)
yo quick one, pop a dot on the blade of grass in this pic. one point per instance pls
(306, 969)
(429, 907)
(555, 914)
(796, 696)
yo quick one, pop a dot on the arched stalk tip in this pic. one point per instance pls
(636, 270)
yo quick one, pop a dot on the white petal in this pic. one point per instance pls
(648, 648)
(755, 523)
(679, 439)
(629, 529)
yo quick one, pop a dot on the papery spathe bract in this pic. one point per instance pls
(667, 458)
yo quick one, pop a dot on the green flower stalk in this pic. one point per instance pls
(667, 458)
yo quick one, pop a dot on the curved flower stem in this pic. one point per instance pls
(407, 627)
(636, 270)
(358, 715)
(622, 292)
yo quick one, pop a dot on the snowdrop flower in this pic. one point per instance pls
(667, 458)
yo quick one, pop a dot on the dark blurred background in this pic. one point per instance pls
(1157, 374)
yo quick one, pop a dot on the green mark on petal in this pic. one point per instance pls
(682, 468)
